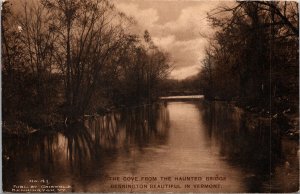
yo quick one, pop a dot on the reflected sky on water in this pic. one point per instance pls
(176, 139)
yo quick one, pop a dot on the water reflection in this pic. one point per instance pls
(253, 144)
(175, 138)
(81, 148)
(138, 126)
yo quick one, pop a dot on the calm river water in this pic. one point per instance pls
(156, 148)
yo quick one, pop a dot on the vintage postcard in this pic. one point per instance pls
(159, 96)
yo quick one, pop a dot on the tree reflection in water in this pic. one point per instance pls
(85, 153)
(81, 147)
(245, 140)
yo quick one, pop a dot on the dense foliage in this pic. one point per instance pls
(62, 59)
(253, 57)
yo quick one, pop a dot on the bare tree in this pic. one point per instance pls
(90, 32)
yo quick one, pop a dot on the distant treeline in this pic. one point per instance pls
(188, 86)
(253, 56)
(62, 59)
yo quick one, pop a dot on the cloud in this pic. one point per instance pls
(164, 42)
(191, 22)
(179, 34)
(185, 52)
(146, 18)
(183, 73)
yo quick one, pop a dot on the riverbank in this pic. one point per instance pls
(283, 118)
(285, 122)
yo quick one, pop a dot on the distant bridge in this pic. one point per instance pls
(174, 98)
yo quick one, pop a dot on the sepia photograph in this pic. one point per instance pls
(149, 96)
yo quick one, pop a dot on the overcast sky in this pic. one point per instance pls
(175, 26)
